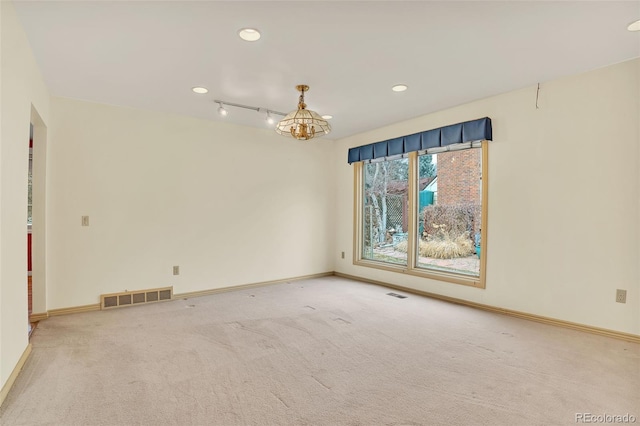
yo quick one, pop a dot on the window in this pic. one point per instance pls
(424, 214)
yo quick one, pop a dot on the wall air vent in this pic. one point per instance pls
(137, 297)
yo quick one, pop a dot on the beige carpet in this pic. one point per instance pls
(319, 352)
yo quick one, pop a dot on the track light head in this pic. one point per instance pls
(269, 119)
(222, 110)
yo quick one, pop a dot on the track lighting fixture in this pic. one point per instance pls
(269, 112)
(222, 110)
(269, 119)
(301, 124)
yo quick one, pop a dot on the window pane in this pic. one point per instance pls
(449, 211)
(385, 211)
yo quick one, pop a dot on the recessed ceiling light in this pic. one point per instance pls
(327, 117)
(249, 34)
(399, 87)
(634, 26)
(200, 90)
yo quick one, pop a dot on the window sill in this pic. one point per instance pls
(470, 281)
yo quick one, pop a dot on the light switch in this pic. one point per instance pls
(85, 220)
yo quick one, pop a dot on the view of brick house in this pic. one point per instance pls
(459, 182)
(459, 177)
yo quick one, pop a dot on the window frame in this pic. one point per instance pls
(412, 268)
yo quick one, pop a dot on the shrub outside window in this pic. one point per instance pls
(424, 215)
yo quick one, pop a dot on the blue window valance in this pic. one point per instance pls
(474, 130)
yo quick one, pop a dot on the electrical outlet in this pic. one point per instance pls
(621, 296)
(176, 270)
(85, 220)
(343, 255)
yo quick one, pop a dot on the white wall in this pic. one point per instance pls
(564, 193)
(21, 88)
(229, 204)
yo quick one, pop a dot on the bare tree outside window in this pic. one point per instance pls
(385, 210)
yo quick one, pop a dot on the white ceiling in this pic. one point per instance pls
(149, 54)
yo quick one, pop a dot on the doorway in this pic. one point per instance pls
(29, 222)
(36, 229)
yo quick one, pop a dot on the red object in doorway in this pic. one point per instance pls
(29, 252)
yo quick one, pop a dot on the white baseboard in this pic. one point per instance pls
(14, 374)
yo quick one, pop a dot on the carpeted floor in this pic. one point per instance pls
(327, 351)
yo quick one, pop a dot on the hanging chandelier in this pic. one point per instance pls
(303, 124)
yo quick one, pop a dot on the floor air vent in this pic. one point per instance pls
(137, 297)
(399, 296)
